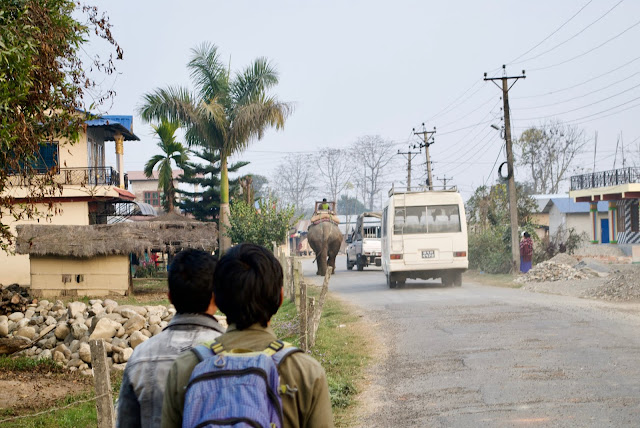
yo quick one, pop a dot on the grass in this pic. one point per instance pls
(26, 364)
(497, 280)
(341, 347)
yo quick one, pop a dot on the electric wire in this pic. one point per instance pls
(494, 166)
(587, 52)
(581, 96)
(572, 37)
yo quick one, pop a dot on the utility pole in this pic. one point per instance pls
(409, 155)
(513, 207)
(427, 140)
(444, 180)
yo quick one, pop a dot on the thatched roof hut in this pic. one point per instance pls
(116, 239)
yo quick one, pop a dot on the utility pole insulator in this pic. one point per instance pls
(427, 140)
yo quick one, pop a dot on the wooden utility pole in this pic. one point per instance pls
(410, 155)
(444, 180)
(427, 140)
(511, 181)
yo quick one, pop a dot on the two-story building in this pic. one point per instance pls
(89, 192)
(620, 189)
(146, 188)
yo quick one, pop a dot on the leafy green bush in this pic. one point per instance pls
(261, 226)
(488, 250)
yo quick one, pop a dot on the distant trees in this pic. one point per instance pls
(335, 169)
(371, 154)
(294, 181)
(172, 152)
(547, 152)
(269, 223)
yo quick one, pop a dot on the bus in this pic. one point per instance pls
(424, 236)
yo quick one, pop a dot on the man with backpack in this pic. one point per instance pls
(144, 379)
(235, 378)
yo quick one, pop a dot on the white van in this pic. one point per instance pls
(424, 235)
(364, 245)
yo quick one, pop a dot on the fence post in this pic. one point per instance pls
(317, 310)
(104, 401)
(303, 317)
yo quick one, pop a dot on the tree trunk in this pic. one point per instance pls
(223, 223)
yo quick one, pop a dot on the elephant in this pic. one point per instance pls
(325, 239)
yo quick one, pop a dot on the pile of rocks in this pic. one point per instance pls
(622, 285)
(13, 299)
(551, 270)
(62, 331)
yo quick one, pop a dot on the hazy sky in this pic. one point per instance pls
(355, 68)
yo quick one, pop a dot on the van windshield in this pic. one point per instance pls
(426, 219)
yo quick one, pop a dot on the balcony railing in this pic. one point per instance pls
(103, 176)
(605, 178)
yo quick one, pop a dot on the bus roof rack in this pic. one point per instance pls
(421, 189)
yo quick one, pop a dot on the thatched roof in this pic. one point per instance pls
(113, 239)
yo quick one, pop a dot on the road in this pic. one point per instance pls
(498, 357)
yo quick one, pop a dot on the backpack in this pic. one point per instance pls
(237, 388)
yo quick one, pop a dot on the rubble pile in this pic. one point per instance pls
(14, 299)
(621, 285)
(552, 271)
(62, 331)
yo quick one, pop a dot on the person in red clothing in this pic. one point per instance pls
(526, 253)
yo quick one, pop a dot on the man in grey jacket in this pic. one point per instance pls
(191, 292)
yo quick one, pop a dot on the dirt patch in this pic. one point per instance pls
(622, 285)
(22, 392)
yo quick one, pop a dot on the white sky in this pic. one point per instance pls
(383, 67)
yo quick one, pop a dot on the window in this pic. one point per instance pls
(152, 198)
(47, 157)
(384, 221)
(431, 219)
(635, 218)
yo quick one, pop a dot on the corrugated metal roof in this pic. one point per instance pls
(115, 123)
(568, 205)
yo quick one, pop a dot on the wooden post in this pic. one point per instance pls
(298, 280)
(104, 401)
(303, 317)
(317, 313)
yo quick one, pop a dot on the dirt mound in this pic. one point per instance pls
(564, 259)
(622, 285)
(551, 271)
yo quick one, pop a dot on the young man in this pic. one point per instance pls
(191, 292)
(248, 289)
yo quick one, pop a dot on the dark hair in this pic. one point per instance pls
(324, 199)
(191, 281)
(247, 285)
(526, 235)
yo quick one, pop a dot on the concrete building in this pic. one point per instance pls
(89, 192)
(146, 188)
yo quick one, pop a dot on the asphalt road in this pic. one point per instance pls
(489, 356)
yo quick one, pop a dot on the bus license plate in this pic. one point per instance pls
(428, 254)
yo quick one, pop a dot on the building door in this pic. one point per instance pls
(604, 230)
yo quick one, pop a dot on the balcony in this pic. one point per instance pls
(605, 178)
(86, 177)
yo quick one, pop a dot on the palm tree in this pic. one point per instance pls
(225, 113)
(172, 150)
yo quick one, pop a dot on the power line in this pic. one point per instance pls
(494, 166)
(549, 36)
(581, 83)
(587, 52)
(583, 95)
(572, 37)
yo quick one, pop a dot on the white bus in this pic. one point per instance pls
(424, 236)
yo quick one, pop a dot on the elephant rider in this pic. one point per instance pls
(324, 205)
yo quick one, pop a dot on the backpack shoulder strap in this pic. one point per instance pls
(207, 350)
(279, 350)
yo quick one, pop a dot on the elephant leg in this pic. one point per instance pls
(321, 259)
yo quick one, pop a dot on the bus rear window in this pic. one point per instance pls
(431, 219)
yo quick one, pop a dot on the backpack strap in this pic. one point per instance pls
(279, 350)
(207, 350)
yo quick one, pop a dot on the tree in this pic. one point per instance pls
(204, 202)
(226, 113)
(349, 205)
(293, 180)
(548, 151)
(42, 89)
(335, 170)
(372, 154)
(172, 150)
(269, 223)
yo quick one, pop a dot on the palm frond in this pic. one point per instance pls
(207, 71)
(151, 164)
(250, 84)
(174, 104)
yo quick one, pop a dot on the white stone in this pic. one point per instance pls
(75, 345)
(126, 308)
(62, 348)
(45, 355)
(109, 302)
(105, 329)
(16, 316)
(88, 322)
(120, 332)
(28, 332)
(155, 329)
(76, 308)
(154, 319)
(4, 328)
(119, 367)
(85, 353)
(135, 323)
(58, 305)
(163, 324)
(23, 323)
(96, 309)
(146, 332)
(126, 354)
(59, 357)
(29, 313)
(75, 362)
(4, 318)
(50, 321)
(62, 331)
(137, 338)
(79, 330)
